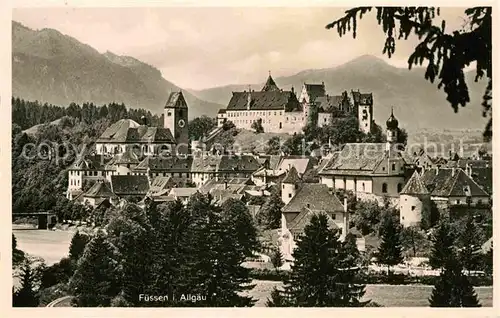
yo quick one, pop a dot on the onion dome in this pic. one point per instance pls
(392, 122)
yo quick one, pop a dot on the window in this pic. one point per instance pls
(281, 126)
(363, 186)
(413, 208)
(334, 216)
(169, 114)
(383, 168)
(479, 202)
(457, 201)
(289, 195)
(400, 187)
(296, 186)
(274, 113)
(384, 187)
(393, 166)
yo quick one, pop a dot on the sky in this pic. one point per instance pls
(199, 48)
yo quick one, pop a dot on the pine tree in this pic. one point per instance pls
(453, 289)
(216, 260)
(95, 281)
(77, 246)
(26, 296)
(390, 250)
(277, 299)
(470, 246)
(318, 276)
(270, 212)
(235, 213)
(277, 258)
(17, 255)
(442, 248)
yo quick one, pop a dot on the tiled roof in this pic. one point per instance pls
(451, 182)
(233, 184)
(314, 91)
(292, 176)
(129, 185)
(302, 164)
(160, 186)
(414, 185)
(270, 85)
(221, 111)
(100, 190)
(118, 131)
(304, 218)
(314, 196)
(463, 163)
(265, 100)
(176, 100)
(163, 163)
(182, 192)
(328, 103)
(238, 163)
(127, 157)
(205, 164)
(483, 177)
(90, 162)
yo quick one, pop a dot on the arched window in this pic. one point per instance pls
(363, 186)
(384, 187)
(400, 187)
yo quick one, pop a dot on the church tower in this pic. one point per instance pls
(290, 185)
(392, 130)
(176, 120)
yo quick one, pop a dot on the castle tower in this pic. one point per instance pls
(290, 185)
(176, 120)
(363, 104)
(414, 201)
(392, 131)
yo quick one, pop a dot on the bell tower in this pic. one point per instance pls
(392, 130)
(176, 120)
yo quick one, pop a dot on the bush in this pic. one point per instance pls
(52, 293)
(58, 273)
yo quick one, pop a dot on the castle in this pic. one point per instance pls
(283, 112)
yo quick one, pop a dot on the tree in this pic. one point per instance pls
(215, 269)
(412, 240)
(318, 276)
(390, 251)
(442, 248)
(27, 296)
(200, 126)
(366, 216)
(96, 279)
(257, 126)
(17, 254)
(270, 213)
(77, 245)
(277, 299)
(402, 137)
(277, 258)
(446, 54)
(469, 252)
(453, 289)
(237, 217)
(273, 146)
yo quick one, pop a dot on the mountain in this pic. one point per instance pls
(417, 103)
(52, 67)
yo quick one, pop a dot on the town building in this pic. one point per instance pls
(375, 171)
(274, 171)
(414, 202)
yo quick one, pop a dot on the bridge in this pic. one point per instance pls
(45, 218)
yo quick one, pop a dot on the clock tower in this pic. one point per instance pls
(176, 120)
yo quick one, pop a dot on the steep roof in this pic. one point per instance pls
(314, 91)
(414, 185)
(361, 159)
(270, 85)
(314, 196)
(302, 164)
(127, 157)
(127, 130)
(328, 103)
(100, 189)
(304, 218)
(176, 100)
(451, 182)
(165, 164)
(238, 163)
(129, 184)
(90, 162)
(483, 177)
(265, 100)
(221, 111)
(182, 192)
(292, 176)
(160, 186)
(231, 184)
